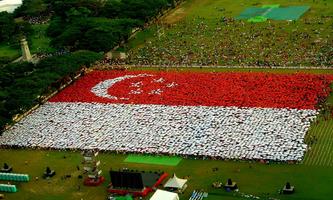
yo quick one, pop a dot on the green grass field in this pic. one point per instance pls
(8, 53)
(154, 160)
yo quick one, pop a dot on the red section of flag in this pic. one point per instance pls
(302, 91)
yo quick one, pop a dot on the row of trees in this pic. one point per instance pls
(135, 9)
(22, 85)
(92, 33)
(99, 25)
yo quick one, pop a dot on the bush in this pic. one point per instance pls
(31, 8)
(96, 34)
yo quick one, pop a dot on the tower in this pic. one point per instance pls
(90, 167)
(26, 56)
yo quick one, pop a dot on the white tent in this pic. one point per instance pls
(164, 195)
(175, 182)
(9, 5)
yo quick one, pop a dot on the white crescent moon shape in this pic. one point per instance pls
(101, 89)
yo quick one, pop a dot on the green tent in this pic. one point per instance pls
(14, 177)
(7, 188)
(287, 13)
(273, 11)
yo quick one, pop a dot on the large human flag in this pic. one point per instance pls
(223, 115)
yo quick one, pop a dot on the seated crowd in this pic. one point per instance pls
(228, 42)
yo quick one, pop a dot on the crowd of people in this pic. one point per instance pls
(228, 42)
(41, 55)
(37, 19)
(203, 131)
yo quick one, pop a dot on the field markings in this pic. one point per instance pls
(321, 152)
(315, 148)
(321, 147)
(310, 154)
(329, 148)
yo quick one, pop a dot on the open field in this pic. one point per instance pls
(204, 33)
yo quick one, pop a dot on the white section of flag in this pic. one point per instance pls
(224, 132)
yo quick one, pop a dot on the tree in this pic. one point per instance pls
(7, 26)
(96, 34)
(81, 12)
(106, 34)
(31, 8)
(112, 9)
(56, 27)
(6, 79)
(68, 38)
(141, 9)
(61, 7)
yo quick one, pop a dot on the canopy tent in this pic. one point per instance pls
(164, 195)
(274, 12)
(175, 182)
(9, 5)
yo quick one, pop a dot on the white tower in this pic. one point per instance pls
(26, 56)
(90, 167)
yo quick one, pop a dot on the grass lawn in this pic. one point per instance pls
(40, 43)
(8, 53)
(155, 160)
(141, 37)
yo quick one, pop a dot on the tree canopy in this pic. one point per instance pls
(99, 25)
(22, 84)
